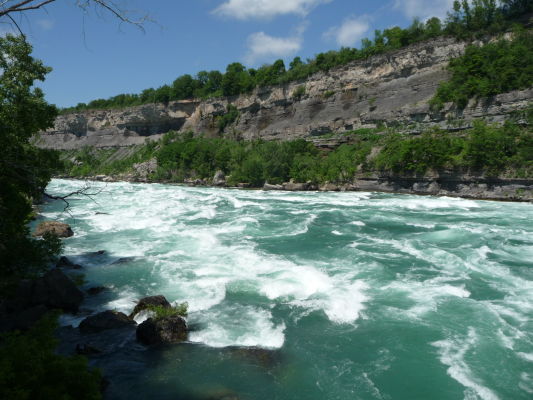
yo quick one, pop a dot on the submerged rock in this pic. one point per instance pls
(166, 330)
(148, 302)
(65, 262)
(86, 349)
(104, 321)
(266, 358)
(59, 229)
(92, 291)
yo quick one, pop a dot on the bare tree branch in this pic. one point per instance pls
(87, 191)
(22, 6)
(9, 7)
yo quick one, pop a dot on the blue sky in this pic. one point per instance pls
(93, 56)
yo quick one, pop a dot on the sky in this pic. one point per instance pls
(94, 56)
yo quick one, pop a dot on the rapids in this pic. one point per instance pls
(357, 295)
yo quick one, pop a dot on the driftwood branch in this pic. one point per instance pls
(87, 191)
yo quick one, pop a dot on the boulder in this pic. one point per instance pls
(54, 290)
(92, 291)
(95, 253)
(219, 179)
(295, 187)
(65, 262)
(104, 321)
(59, 291)
(123, 260)
(268, 186)
(163, 330)
(145, 169)
(148, 302)
(86, 349)
(57, 228)
(329, 187)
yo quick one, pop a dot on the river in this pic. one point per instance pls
(357, 295)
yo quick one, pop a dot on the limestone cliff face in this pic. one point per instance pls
(392, 89)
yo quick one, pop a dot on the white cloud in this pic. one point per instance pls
(46, 24)
(263, 47)
(424, 9)
(247, 9)
(350, 32)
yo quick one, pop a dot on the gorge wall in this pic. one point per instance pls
(391, 89)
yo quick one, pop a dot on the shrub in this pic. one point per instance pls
(30, 369)
(488, 70)
(161, 312)
(299, 92)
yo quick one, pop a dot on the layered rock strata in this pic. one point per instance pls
(390, 89)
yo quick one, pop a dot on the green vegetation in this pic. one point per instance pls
(30, 369)
(165, 312)
(89, 160)
(227, 119)
(466, 20)
(299, 92)
(485, 149)
(488, 70)
(24, 169)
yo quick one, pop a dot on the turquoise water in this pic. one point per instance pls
(357, 295)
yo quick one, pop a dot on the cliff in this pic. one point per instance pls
(391, 89)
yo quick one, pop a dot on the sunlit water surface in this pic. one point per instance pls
(360, 295)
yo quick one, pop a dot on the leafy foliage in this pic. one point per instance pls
(227, 119)
(24, 169)
(489, 70)
(161, 312)
(30, 369)
(484, 149)
(466, 20)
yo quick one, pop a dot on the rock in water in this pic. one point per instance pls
(54, 290)
(164, 330)
(65, 262)
(104, 321)
(219, 179)
(268, 186)
(57, 228)
(60, 291)
(92, 291)
(148, 302)
(295, 187)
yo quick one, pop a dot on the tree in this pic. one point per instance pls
(24, 169)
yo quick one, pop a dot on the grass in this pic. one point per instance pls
(161, 312)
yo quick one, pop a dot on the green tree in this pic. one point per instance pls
(25, 170)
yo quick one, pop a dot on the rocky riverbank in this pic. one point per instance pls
(469, 187)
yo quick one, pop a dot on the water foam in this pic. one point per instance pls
(452, 353)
